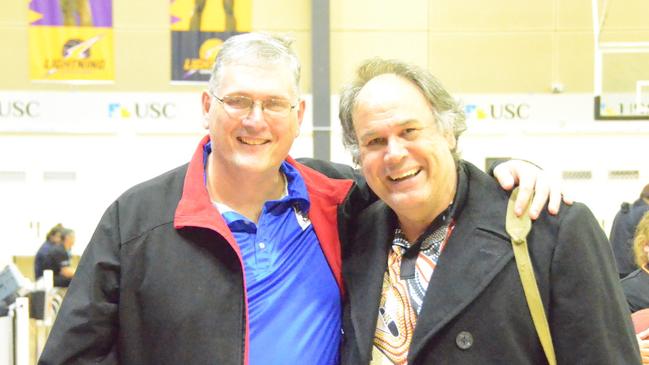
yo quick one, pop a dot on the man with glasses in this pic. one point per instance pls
(231, 259)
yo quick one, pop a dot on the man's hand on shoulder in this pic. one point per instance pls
(531, 180)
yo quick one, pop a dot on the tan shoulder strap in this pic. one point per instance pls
(518, 228)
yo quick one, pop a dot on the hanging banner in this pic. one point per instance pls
(198, 28)
(71, 40)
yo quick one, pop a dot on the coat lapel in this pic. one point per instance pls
(365, 265)
(468, 264)
(476, 252)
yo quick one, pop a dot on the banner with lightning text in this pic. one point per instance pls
(198, 28)
(71, 40)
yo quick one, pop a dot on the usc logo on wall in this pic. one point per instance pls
(505, 111)
(19, 109)
(150, 110)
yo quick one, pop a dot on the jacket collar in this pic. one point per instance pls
(195, 208)
(365, 262)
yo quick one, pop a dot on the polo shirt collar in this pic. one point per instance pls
(297, 193)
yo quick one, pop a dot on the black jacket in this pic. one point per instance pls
(622, 233)
(161, 281)
(636, 290)
(474, 311)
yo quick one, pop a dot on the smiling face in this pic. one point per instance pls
(405, 158)
(253, 143)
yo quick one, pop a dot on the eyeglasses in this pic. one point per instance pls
(240, 106)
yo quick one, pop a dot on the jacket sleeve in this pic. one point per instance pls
(86, 326)
(589, 318)
(636, 295)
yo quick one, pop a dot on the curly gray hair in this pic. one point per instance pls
(448, 113)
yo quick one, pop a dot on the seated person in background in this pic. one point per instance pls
(623, 229)
(53, 255)
(68, 238)
(636, 284)
(52, 239)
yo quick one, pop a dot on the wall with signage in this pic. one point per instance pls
(66, 156)
(69, 148)
(504, 46)
(142, 44)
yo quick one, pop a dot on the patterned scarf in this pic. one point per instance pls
(402, 297)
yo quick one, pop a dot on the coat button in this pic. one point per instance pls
(464, 340)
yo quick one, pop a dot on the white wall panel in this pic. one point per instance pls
(556, 131)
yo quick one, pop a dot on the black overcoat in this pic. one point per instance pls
(474, 311)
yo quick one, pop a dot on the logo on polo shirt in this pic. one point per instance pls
(302, 218)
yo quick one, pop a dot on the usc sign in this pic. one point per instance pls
(19, 109)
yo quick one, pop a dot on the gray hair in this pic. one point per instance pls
(447, 112)
(256, 49)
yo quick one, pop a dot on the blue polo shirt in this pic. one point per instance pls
(294, 304)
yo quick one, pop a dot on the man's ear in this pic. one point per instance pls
(450, 139)
(300, 115)
(206, 101)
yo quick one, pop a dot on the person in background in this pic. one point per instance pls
(233, 258)
(636, 284)
(68, 239)
(622, 230)
(429, 269)
(52, 238)
(53, 255)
